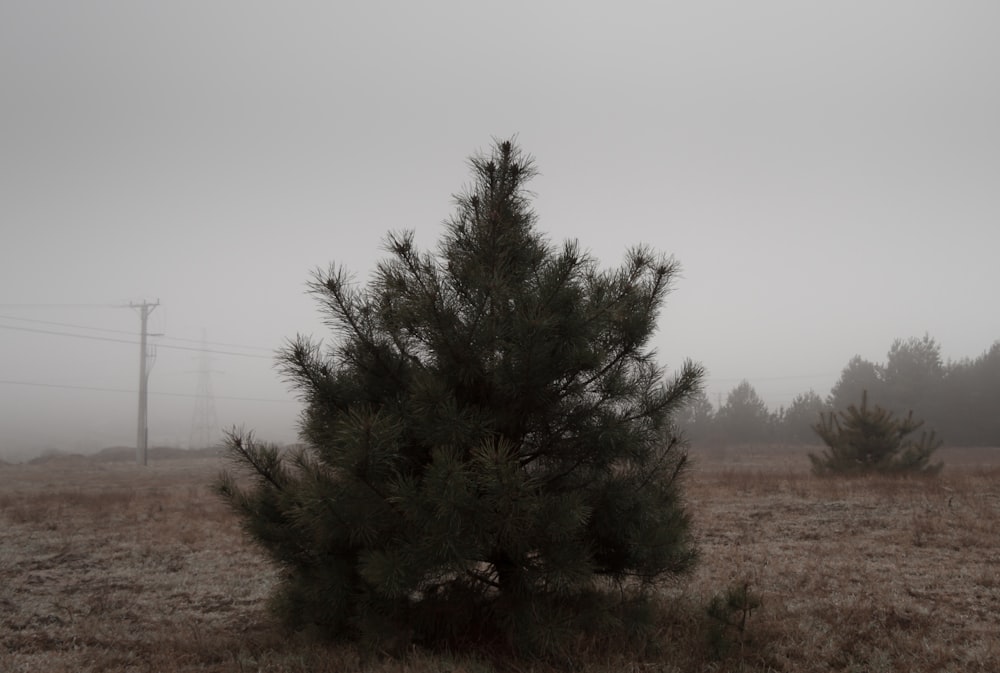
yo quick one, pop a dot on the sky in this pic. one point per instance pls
(827, 174)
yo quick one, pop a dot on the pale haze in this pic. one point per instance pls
(827, 174)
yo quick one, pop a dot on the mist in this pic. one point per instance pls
(828, 177)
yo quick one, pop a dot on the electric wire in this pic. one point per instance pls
(66, 324)
(35, 384)
(119, 331)
(135, 343)
(62, 305)
(770, 378)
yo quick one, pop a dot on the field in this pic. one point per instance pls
(107, 566)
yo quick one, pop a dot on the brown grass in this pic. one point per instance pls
(106, 566)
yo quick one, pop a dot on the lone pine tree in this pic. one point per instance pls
(488, 444)
(864, 439)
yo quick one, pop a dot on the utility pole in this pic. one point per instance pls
(142, 433)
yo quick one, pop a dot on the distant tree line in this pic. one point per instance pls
(744, 418)
(960, 400)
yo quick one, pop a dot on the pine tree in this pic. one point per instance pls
(489, 443)
(697, 419)
(865, 440)
(744, 417)
(858, 376)
(797, 420)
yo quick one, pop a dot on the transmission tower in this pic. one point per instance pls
(204, 422)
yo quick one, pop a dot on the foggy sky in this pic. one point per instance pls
(828, 175)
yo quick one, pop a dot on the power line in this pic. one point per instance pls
(125, 390)
(120, 331)
(60, 305)
(218, 343)
(772, 378)
(124, 341)
(263, 357)
(69, 334)
(66, 324)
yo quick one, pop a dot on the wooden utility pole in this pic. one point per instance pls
(142, 432)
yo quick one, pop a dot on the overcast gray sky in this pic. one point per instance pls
(828, 174)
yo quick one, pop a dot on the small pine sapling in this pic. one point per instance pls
(730, 613)
(867, 439)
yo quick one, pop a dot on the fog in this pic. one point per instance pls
(828, 175)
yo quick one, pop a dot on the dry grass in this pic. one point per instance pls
(106, 566)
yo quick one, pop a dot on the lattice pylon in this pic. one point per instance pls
(204, 421)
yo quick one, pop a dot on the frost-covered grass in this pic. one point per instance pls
(107, 566)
